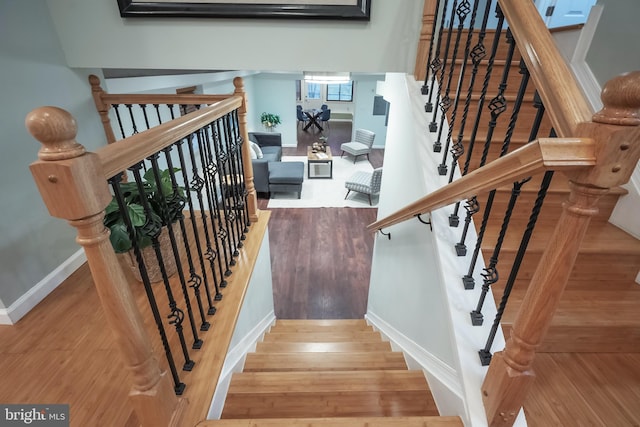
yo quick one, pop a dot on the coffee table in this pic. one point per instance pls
(319, 158)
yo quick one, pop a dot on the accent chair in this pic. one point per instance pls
(360, 145)
(365, 182)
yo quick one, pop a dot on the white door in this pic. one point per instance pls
(561, 13)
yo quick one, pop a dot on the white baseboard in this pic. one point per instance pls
(444, 373)
(24, 304)
(234, 362)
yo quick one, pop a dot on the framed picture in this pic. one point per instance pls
(244, 9)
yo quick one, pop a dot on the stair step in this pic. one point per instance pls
(339, 422)
(323, 325)
(328, 394)
(326, 347)
(588, 321)
(279, 362)
(349, 336)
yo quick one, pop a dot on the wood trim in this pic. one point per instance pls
(562, 97)
(121, 154)
(566, 28)
(422, 53)
(537, 156)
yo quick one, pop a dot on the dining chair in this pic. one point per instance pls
(324, 117)
(302, 118)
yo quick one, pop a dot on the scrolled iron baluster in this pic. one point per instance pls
(425, 86)
(436, 63)
(152, 228)
(433, 126)
(463, 10)
(178, 386)
(472, 207)
(478, 53)
(222, 146)
(194, 279)
(245, 192)
(485, 353)
(490, 275)
(236, 207)
(133, 119)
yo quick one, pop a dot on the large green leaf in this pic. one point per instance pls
(137, 215)
(120, 238)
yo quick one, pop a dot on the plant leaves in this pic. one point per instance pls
(119, 238)
(137, 215)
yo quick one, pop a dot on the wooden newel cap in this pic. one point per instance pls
(56, 130)
(621, 99)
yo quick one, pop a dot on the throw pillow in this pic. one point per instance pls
(252, 152)
(255, 147)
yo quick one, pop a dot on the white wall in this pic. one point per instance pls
(94, 35)
(33, 73)
(363, 116)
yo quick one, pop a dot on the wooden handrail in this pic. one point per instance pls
(119, 155)
(546, 153)
(559, 90)
(162, 98)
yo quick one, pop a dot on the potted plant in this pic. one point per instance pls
(269, 120)
(145, 226)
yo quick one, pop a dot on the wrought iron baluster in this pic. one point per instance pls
(178, 386)
(117, 111)
(243, 188)
(485, 353)
(152, 228)
(472, 207)
(425, 86)
(198, 184)
(490, 274)
(477, 55)
(444, 105)
(235, 206)
(436, 62)
(210, 166)
(227, 216)
(144, 114)
(157, 107)
(192, 216)
(483, 94)
(194, 279)
(215, 177)
(462, 11)
(133, 119)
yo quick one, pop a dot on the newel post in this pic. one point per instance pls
(616, 132)
(102, 107)
(252, 200)
(74, 188)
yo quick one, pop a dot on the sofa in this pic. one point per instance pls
(270, 144)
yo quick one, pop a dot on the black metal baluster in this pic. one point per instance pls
(144, 114)
(477, 54)
(236, 176)
(198, 184)
(211, 170)
(472, 207)
(483, 93)
(425, 87)
(213, 157)
(433, 126)
(133, 119)
(194, 279)
(153, 228)
(192, 216)
(178, 386)
(116, 109)
(244, 192)
(157, 107)
(462, 11)
(485, 353)
(436, 62)
(490, 274)
(227, 178)
(168, 212)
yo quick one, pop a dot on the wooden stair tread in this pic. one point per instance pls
(601, 237)
(357, 336)
(275, 362)
(323, 325)
(331, 347)
(290, 383)
(431, 421)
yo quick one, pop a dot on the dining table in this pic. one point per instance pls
(314, 116)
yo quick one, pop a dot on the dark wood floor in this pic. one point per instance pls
(321, 257)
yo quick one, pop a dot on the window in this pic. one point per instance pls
(340, 92)
(313, 91)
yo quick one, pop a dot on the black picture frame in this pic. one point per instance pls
(361, 11)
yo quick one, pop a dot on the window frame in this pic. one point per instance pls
(339, 92)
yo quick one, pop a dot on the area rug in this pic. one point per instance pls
(325, 193)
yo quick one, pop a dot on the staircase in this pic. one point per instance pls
(328, 373)
(598, 312)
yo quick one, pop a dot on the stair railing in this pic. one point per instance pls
(205, 235)
(594, 152)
